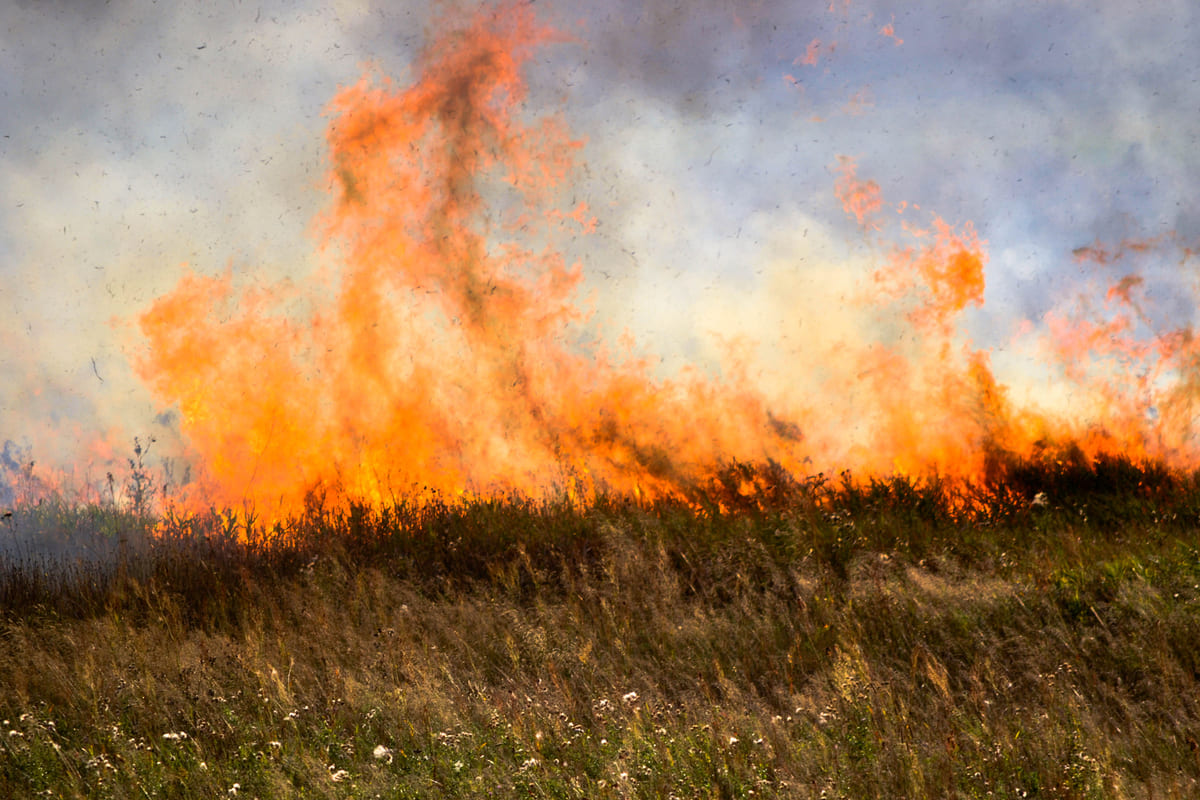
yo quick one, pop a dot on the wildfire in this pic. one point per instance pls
(441, 359)
(444, 350)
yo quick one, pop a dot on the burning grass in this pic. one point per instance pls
(447, 343)
(686, 615)
(888, 639)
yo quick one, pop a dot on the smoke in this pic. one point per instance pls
(140, 138)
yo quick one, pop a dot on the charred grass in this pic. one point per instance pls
(1038, 637)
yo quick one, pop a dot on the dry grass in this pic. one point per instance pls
(867, 645)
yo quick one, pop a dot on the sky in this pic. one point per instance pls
(141, 136)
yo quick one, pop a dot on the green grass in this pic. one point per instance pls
(896, 639)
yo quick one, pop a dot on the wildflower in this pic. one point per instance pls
(175, 737)
(382, 752)
(732, 741)
(337, 776)
(458, 766)
(276, 745)
(233, 790)
(629, 698)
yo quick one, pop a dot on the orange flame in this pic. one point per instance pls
(860, 198)
(446, 350)
(811, 54)
(441, 363)
(889, 31)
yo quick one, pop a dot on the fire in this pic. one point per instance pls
(441, 359)
(1140, 376)
(860, 198)
(446, 348)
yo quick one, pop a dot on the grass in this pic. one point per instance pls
(1037, 637)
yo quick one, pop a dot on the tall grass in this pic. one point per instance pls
(1038, 636)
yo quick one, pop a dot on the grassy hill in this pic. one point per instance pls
(1039, 637)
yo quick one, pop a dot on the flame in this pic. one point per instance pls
(446, 350)
(441, 361)
(1141, 379)
(889, 31)
(811, 54)
(860, 198)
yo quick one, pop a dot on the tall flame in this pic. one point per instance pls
(442, 359)
(446, 348)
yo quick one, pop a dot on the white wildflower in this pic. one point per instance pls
(629, 698)
(381, 752)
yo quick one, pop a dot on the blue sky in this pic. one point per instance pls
(138, 136)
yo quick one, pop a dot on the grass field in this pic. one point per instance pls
(1039, 637)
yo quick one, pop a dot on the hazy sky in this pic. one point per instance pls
(138, 136)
